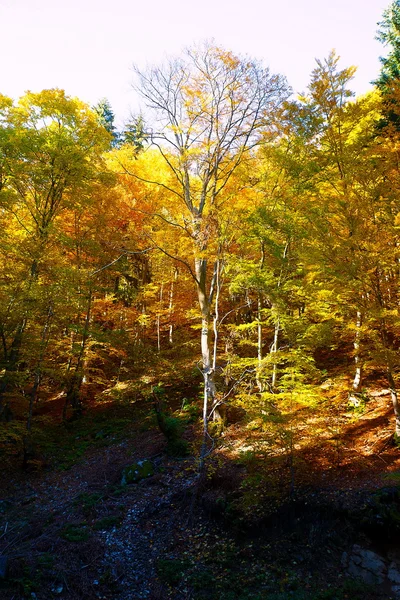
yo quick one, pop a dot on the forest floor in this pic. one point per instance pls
(278, 508)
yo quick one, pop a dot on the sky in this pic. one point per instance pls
(87, 47)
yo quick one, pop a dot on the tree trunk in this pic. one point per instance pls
(11, 366)
(207, 367)
(73, 396)
(158, 319)
(216, 412)
(274, 350)
(395, 402)
(390, 379)
(259, 343)
(38, 370)
(171, 306)
(354, 399)
(10, 370)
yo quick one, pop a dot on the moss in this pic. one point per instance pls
(75, 532)
(138, 471)
(88, 502)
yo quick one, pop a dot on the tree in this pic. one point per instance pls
(208, 110)
(388, 81)
(134, 133)
(50, 156)
(351, 209)
(106, 118)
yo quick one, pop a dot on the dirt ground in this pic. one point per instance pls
(271, 519)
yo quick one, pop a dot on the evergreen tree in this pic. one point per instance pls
(106, 118)
(134, 133)
(388, 81)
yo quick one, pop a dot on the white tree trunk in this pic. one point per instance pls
(354, 398)
(207, 366)
(395, 402)
(158, 320)
(171, 306)
(259, 343)
(274, 350)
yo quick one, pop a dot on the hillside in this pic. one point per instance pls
(265, 522)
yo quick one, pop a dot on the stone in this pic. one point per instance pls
(136, 472)
(367, 565)
(378, 393)
(327, 384)
(393, 573)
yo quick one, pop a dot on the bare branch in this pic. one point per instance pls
(183, 262)
(127, 172)
(125, 253)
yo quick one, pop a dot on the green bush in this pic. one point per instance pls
(75, 532)
(172, 570)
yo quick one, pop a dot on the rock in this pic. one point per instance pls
(327, 384)
(136, 472)
(355, 400)
(379, 393)
(394, 573)
(366, 565)
(3, 567)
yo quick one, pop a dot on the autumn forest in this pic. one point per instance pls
(217, 282)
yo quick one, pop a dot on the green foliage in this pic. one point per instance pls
(138, 471)
(29, 581)
(134, 134)
(190, 410)
(383, 512)
(389, 76)
(75, 532)
(172, 425)
(108, 522)
(358, 402)
(11, 437)
(87, 502)
(64, 445)
(106, 118)
(171, 570)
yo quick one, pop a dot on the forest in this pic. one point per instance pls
(200, 329)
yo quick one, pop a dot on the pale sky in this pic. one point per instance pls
(87, 47)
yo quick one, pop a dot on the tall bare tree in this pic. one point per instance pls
(207, 110)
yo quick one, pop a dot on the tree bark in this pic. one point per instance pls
(171, 306)
(395, 402)
(38, 370)
(11, 368)
(357, 381)
(73, 395)
(207, 366)
(158, 319)
(274, 350)
(259, 343)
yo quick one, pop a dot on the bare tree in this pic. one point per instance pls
(208, 109)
